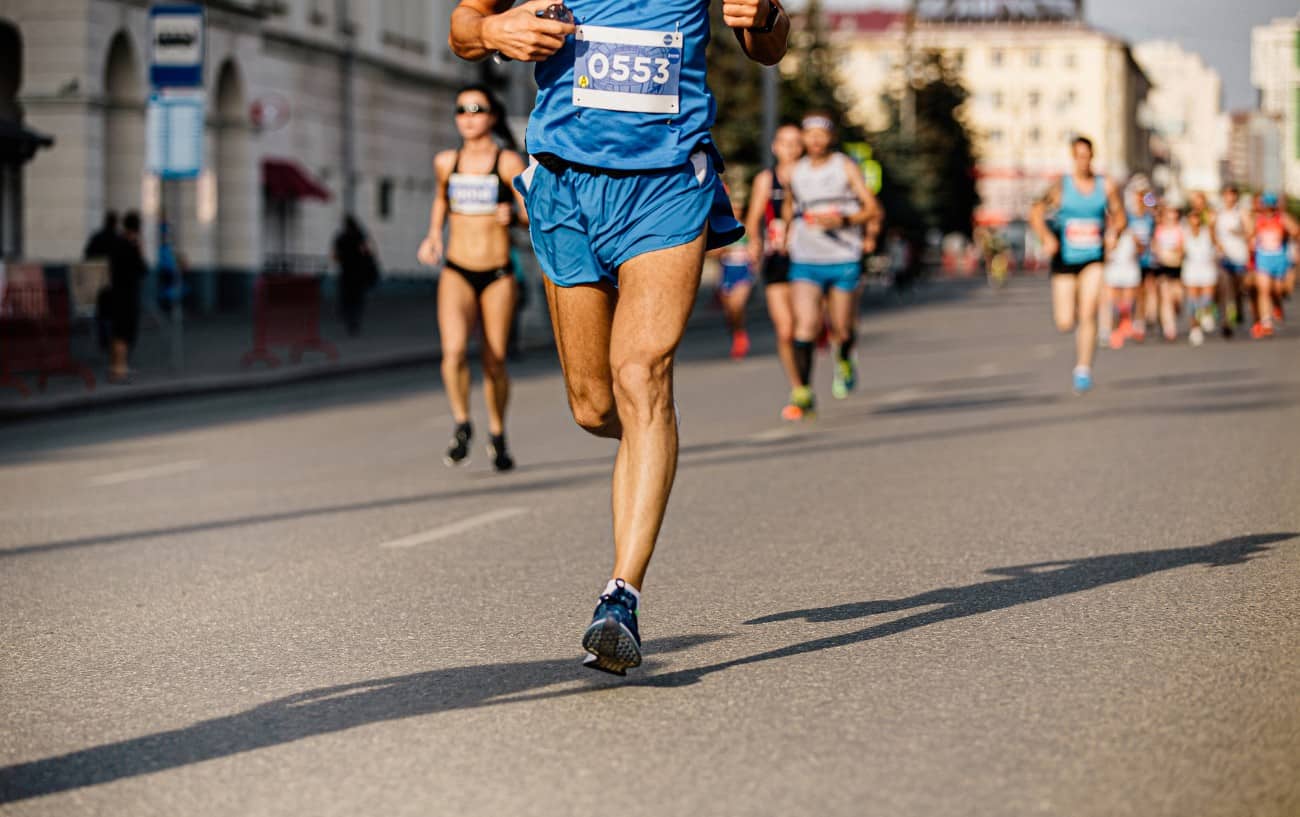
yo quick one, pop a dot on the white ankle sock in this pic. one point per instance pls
(613, 585)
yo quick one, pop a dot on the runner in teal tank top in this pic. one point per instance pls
(623, 198)
(1090, 217)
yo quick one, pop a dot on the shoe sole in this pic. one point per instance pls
(450, 463)
(612, 647)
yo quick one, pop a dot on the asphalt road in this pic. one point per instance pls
(963, 591)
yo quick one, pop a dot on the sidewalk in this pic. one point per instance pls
(400, 329)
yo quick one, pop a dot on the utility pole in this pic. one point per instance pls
(347, 116)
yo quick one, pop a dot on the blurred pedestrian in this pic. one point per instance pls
(1273, 230)
(1089, 214)
(766, 227)
(1168, 245)
(828, 210)
(98, 248)
(735, 287)
(358, 271)
(476, 204)
(1123, 278)
(1200, 275)
(100, 243)
(1231, 228)
(126, 269)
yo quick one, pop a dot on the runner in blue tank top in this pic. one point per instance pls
(623, 198)
(1089, 217)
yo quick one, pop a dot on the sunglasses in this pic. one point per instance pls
(472, 107)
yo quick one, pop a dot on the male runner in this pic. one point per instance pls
(1231, 228)
(624, 198)
(1273, 229)
(1089, 216)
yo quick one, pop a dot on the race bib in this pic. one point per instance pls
(473, 194)
(625, 69)
(1083, 234)
(1270, 239)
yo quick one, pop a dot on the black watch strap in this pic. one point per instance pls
(773, 14)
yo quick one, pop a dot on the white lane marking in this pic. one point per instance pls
(454, 528)
(901, 396)
(149, 472)
(778, 433)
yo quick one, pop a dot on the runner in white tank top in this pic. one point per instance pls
(1200, 275)
(1231, 228)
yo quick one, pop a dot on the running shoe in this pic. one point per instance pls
(497, 452)
(1117, 339)
(1278, 314)
(844, 380)
(739, 344)
(791, 413)
(613, 638)
(458, 451)
(1260, 330)
(801, 397)
(1082, 381)
(1197, 336)
(1207, 322)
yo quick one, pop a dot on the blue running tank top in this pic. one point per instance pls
(1083, 221)
(1143, 228)
(627, 91)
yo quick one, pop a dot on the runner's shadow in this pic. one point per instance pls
(305, 715)
(1023, 584)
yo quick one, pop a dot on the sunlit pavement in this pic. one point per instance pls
(963, 591)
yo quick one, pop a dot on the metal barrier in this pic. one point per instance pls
(286, 312)
(36, 335)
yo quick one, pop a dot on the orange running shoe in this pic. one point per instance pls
(792, 413)
(739, 344)
(1117, 339)
(1260, 330)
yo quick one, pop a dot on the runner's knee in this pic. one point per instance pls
(593, 409)
(642, 384)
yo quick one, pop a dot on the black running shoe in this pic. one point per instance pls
(496, 449)
(613, 638)
(458, 451)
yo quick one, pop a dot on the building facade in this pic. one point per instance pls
(314, 108)
(1254, 155)
(1184, 110)
(1275, 73)
(1034, 86)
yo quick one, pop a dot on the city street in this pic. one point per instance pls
(963, 591)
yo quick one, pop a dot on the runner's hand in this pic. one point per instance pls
(755, 254)
(745, 13)
(430, 252)
(521, 35)
(828, 221)
(1052, 246)
(505, 215)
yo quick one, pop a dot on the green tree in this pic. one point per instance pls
(736, 82)
(931, 170)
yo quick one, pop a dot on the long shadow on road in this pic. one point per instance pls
(336, 708)
(726, 452)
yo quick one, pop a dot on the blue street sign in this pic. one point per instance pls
(176, 46)
(174, 134)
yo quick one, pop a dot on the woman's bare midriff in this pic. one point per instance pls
(477, 242)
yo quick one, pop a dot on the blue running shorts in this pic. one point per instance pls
(827, 276)
(733, 275)
(585, 225)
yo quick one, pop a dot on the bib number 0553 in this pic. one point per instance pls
(621, 69)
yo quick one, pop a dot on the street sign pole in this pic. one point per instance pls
(175, 124)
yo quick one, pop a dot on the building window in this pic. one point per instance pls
(995, 58)
(384, 199)
(1034, 98)
(1068, 98)
(995, 99)
(1035, 135)
(1069, 59)
(1035, 58)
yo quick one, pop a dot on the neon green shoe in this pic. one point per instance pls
(844, 380)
